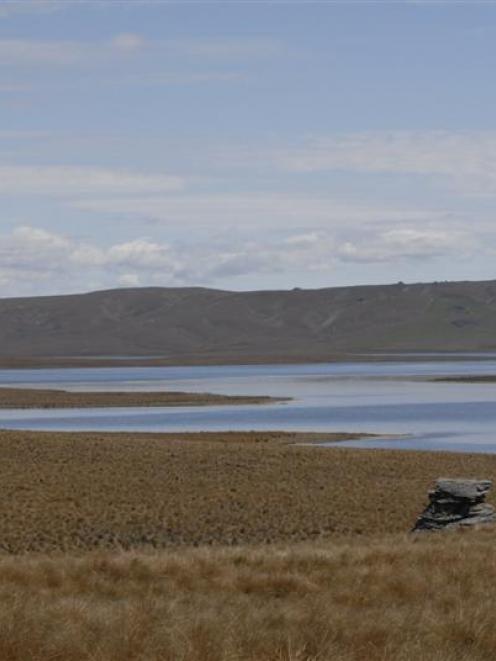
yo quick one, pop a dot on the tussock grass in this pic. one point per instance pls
(104, 526)
(70, 492)
(400, 598)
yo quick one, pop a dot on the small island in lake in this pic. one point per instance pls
(32, 398)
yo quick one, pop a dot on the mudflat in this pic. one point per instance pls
(31, 398)
(469, 378)
(81, 491)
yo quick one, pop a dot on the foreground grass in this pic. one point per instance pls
(70, 492)
(31, 398)
(117, 516)
(395, 599)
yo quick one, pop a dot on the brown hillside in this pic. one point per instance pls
(198, 325)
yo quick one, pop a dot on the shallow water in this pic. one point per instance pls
(388, 398)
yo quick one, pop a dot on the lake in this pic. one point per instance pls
(387, 398)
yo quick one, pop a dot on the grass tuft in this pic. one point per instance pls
(366, 600)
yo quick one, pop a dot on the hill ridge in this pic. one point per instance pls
(197, 323)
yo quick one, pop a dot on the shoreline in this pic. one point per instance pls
(54, 362)
(475, 378)
(32, 398)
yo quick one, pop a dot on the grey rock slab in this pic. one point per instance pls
(473, 521)
(474, 490)
(457, 502)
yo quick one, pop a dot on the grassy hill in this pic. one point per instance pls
(206, 325)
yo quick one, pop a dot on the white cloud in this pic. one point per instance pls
(69, 52)
(39, 238)
(186, 78)
(407, 243)
(129, 280)
(225, 48)
(141, 253)
(466, 159)
(88, 255)
(24, 51)
(24, 135)
(32, 253)
(128, 41)
(60, 181)
(31, 258)
(10, 88)
(66, 52)
(304, 240)
(255, 210)
(11, 7)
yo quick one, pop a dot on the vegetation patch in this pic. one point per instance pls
(396, 599)
(81, 491)
(32, 398)
(473, 378)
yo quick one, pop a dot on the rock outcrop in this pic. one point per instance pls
(457, 503)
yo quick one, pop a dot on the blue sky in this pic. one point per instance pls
(245, 145)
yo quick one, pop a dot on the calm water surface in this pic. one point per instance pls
(387, 398)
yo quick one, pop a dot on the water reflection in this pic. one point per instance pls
(385, 398)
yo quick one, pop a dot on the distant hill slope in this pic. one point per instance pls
(195, 324)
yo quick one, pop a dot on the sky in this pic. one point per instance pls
(245, 145)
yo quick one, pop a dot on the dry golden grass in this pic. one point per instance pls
(395, 599)
(70, 491)
(358, 588)
(29, 398)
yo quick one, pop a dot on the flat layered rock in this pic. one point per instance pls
(471, 490)
(457, 503)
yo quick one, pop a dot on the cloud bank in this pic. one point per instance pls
(467, 160)
(31, 256)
